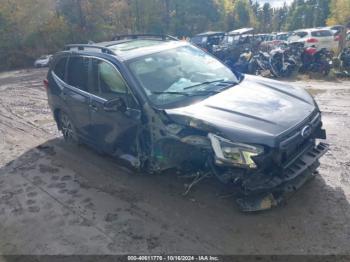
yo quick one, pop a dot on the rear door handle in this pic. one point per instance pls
(93, 107)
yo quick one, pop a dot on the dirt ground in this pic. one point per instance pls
(62, 199)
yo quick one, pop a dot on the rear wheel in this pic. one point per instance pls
(67, 128)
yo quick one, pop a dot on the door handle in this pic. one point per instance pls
(93, 107)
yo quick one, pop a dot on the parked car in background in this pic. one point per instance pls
(43, 61)
(235, 43)
(273, 41)
(263, 37)
(207, 40)
(339, 35)
(337, 30)
(151, 102)
(315, 37)
(283, 36)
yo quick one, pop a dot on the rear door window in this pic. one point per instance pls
(60, 68)
(322, 33)
(78, 72)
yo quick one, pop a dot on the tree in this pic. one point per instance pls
(32, 27)
(243, 14)
(321, 12)
(279, 18)
(264, 18)
(340, 12)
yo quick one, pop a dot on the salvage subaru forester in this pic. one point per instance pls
(159, 103)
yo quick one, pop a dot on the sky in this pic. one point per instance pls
(276, 3)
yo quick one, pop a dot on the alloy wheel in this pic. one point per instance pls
(67, 128)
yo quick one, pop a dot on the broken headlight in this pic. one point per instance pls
(236, 154)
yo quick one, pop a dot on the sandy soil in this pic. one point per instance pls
(62, 199)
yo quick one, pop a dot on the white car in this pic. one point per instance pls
(43, 61)
(317, 37)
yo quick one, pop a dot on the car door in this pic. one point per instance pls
(76, 96)
(112, 130)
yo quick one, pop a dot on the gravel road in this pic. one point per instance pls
(62, 199)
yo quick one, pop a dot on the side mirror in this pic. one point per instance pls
(115, 105)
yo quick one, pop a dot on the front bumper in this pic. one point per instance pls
(264, 191)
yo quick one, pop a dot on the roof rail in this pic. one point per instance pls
(144, 36)
(83, 46)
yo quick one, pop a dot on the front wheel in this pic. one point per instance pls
(67, 128)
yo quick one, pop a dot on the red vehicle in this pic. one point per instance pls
(317, 61)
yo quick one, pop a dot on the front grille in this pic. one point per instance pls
(294, 143)
(295, 150)
(313, 120)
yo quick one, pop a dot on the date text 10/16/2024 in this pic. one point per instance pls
(173, 258)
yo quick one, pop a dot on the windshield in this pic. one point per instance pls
(171, 76)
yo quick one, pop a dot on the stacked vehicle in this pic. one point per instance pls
(277, 55)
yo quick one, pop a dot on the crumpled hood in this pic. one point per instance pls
(257, 110)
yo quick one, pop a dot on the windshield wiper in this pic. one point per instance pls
(205, 83)
(221, 81)
(200, 93)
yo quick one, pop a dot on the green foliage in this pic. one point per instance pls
(243, 14)
(340, 12)
(307, 13)
(34, 27)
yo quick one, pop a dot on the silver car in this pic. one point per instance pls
(318, 37)
(43, 61)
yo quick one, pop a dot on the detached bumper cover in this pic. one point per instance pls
(264, 192)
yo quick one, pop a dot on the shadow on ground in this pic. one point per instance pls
(64, 199)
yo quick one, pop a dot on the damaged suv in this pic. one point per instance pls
(161, 104)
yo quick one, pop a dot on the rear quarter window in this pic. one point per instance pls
(60, 68)
(322, 33)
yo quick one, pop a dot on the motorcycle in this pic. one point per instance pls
(316, 61)
(242, 65)
(282, 63)
(345, 59)
(260, 64)
(342, 63)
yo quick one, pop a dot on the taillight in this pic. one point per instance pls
(312, 40)
(337, 38)
(46, 83)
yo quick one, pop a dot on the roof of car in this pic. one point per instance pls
(241, 31)
(312, 29)
(210, 33)
(132, 48)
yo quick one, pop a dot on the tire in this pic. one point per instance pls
(68, 129)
